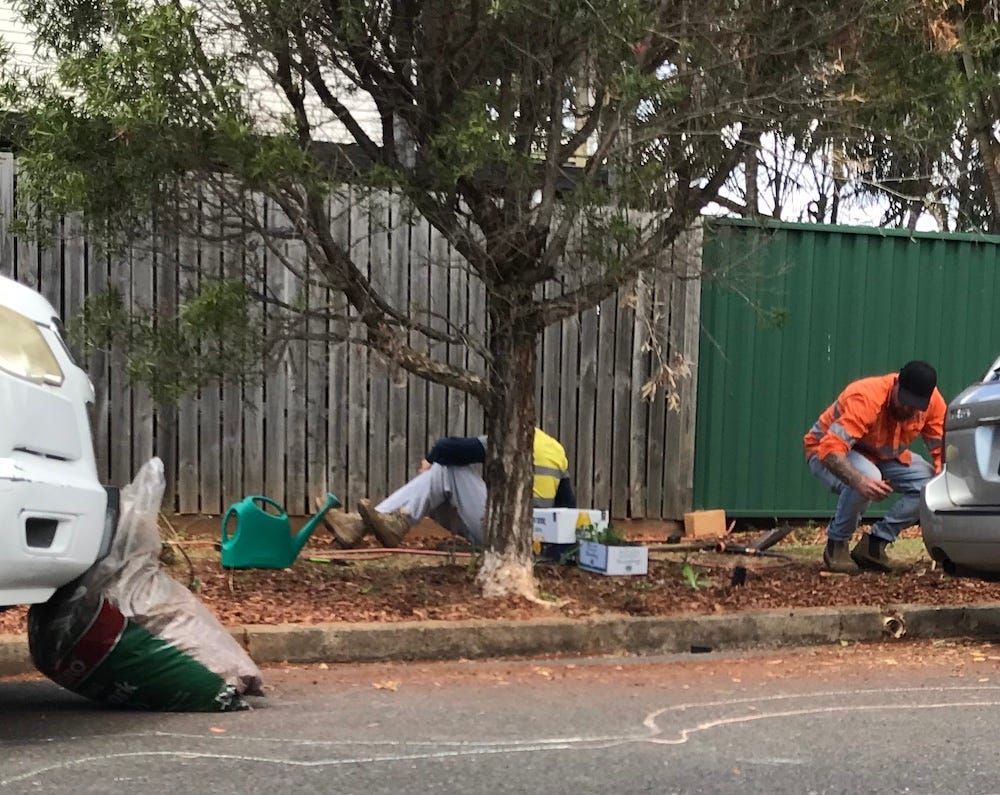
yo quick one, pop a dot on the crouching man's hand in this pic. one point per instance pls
(872, 489)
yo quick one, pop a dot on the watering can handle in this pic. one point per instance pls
(269, 501)
(225, 523)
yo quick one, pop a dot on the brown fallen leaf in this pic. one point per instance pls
(387, 685)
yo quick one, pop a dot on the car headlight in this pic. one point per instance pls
(24, 351)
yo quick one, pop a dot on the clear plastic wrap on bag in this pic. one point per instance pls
(128, 634)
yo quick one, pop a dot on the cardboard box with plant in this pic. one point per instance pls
(607, 551)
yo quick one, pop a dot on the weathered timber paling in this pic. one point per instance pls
(314, 423)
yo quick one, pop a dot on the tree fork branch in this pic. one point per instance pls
(373, 312)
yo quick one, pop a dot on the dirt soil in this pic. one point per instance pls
(420, 582)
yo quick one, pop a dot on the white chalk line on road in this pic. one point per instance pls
(683, 735)
(314, 763)
(466, 748)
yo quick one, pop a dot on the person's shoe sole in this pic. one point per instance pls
(375, 522)
(341, 539)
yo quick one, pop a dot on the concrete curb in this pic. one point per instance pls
(452, 640)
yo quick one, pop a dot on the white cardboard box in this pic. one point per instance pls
(558, 525)
(603, 559)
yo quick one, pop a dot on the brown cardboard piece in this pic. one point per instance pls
(705, 524)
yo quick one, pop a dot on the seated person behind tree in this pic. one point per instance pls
(449, 491)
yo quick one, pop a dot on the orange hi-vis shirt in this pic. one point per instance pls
(860, 419)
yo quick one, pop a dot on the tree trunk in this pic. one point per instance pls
(510, 411)
(982, 128)
(750, 172)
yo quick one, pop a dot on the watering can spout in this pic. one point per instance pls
(303, 535)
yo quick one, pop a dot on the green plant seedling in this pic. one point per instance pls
(609, 536)
(694, 577)
(472, 567)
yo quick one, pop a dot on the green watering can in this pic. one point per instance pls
(264, 540)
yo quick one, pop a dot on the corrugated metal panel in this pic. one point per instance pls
(792, 312)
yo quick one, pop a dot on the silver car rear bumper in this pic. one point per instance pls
(959, 537)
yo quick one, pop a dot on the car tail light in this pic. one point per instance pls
(24, 351)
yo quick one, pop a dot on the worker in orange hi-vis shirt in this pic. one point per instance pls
(859, 449)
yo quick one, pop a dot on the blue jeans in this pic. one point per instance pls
(906, 480)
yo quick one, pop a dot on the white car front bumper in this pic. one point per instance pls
(55, 527)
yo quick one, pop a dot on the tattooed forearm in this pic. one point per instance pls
(839, 466)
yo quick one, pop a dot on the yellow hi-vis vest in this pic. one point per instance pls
(551, 466)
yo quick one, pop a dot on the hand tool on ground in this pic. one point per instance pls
(760, 546)
(735, 549)
(772, 537)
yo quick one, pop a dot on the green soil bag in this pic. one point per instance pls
(129, 635)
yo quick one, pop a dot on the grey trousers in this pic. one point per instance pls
(453, 496)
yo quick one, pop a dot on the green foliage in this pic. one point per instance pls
(479, 111)
(468, 138)
(609, 535)
(472, 566)
(906, 134)
(215, 334)
(142, 96)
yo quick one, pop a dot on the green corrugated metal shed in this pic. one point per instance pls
(791, 313)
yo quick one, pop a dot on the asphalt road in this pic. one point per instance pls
(913, 718)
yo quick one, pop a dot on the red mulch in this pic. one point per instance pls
(402, 587)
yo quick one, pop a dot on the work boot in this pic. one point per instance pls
(347, 529)
(836, 557)
(389, 528)
(869, 553)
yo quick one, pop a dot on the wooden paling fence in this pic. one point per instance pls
(333, 416)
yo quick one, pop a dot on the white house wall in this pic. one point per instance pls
(266, 102)
(15, 35)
